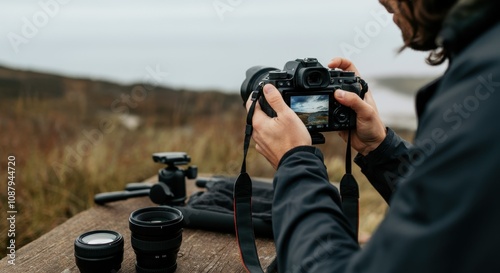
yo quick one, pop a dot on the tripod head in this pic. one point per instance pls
(171, 186)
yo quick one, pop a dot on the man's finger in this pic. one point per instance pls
(274, 98)
(343, 64)
(353, 101)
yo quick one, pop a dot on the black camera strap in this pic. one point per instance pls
(349, 191)
(242, 194)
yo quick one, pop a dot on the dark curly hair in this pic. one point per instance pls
(426, 18)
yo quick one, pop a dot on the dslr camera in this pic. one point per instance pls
(308, 88)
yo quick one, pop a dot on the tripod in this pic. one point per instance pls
(170, 188)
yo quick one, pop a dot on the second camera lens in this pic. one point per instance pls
(156, 238)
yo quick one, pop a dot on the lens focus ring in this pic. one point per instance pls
(156, 245)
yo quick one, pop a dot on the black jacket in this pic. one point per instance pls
(445, 214)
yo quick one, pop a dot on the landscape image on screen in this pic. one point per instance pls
(311, 109)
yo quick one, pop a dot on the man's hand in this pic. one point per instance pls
(276, 136)
(370, 130)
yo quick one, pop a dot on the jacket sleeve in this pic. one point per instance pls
(308, 224)
(383, 166)
(443, 217)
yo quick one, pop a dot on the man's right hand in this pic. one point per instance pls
(370, 130)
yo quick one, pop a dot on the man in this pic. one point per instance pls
(444, 216)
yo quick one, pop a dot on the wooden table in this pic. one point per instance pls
(201, 251)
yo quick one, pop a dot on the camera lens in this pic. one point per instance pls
(156, 238)
(254, 76)
(99, 251)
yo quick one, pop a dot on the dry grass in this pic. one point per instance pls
(65, 155)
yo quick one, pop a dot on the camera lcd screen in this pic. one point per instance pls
(312, 110)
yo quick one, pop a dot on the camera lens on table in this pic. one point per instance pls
(156, 238)
(99, 251)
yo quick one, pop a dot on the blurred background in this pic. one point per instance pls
(90, 89)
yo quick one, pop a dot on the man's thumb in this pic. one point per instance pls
(274, 98)
(351, 100)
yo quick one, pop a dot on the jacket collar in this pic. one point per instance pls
(467, 20)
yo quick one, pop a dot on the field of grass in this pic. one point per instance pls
(71, 141)
(318, 118)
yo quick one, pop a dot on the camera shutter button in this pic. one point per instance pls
(349, 74)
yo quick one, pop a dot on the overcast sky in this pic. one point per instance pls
(198, 44)
(309, 104)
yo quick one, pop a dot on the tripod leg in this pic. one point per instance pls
(137, 186)
(106, 197)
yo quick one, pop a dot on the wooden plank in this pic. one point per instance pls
(201, 251)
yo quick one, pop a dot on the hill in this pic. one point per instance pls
(405, 84)
(111, 98)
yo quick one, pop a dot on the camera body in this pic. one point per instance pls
(308, 88)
